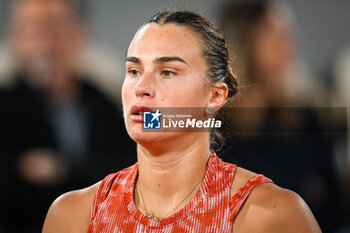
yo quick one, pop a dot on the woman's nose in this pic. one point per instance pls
(144, 87)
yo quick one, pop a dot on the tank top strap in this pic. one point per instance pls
(238, 200)
(102, 193)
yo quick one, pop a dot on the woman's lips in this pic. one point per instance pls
(137, 112)
(137, 118)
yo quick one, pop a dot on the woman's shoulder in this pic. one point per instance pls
(270, 208)
(71, 211)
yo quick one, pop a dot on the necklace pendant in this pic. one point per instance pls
(151, 215)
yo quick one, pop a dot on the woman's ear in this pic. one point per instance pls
(217, 98)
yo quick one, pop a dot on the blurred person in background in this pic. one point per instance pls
(261, 39)
(58, 132)
(286, 144)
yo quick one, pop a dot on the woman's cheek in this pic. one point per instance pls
(186, 98)
(126, 91)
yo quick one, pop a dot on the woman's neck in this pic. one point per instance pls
(167, 178)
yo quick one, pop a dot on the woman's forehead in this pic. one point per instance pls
(165, 40)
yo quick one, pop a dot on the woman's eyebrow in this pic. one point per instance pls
(157, 60)
(169, 59)
(133, 60)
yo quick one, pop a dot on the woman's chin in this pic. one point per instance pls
(140, 136)
(155, 138)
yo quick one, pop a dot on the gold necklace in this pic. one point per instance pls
(159, 219)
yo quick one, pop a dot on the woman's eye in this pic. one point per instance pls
(134, 73)
(168, 74)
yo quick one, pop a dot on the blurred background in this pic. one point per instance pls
(61, 71)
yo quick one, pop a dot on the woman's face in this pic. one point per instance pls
(272, 45)
(165, 68)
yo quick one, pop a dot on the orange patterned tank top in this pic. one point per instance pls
(211, 210)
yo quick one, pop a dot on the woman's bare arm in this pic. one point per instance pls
(271, 209)
(70, 212)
